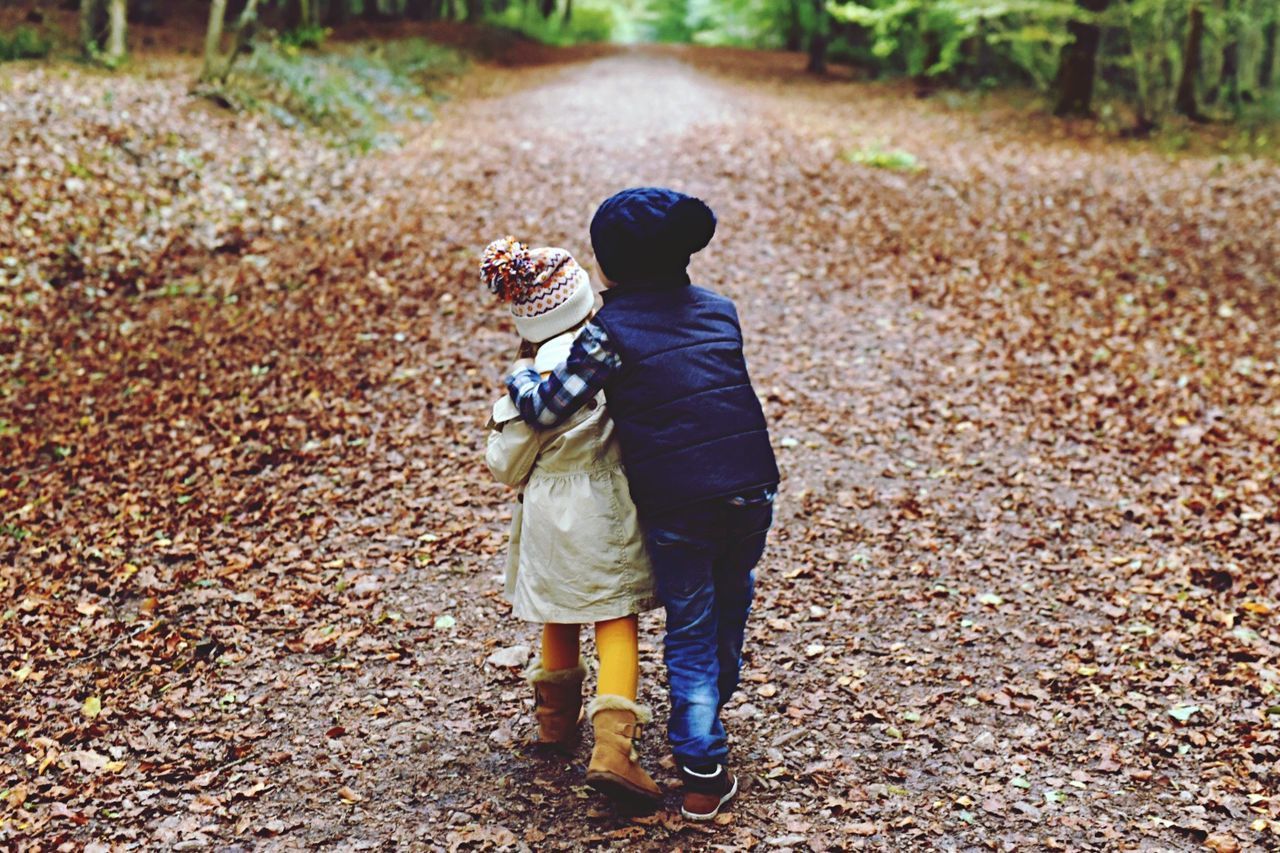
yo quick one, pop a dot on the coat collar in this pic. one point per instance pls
(631, 288)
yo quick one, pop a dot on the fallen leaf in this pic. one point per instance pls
(1220, 842)
(88, 760)
(17, 795)
(512, 656)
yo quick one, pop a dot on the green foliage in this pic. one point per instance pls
(1146, 61)
(588, 24)
(424, 62)
(14, 532)
(943, 37)
(357, 95)
(748, 23)
(1140, 60)
(592, 24)
(24, 43)
(111, 63)
(669, 22)
(878, 158)
(1153, 61)
(309, 36)
(741, 23)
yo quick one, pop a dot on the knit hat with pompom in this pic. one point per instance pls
(547, 291)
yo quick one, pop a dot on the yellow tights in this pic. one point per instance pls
(618, 644)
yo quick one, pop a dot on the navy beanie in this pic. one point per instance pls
(646, 234)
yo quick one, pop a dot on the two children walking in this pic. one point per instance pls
(645, 471)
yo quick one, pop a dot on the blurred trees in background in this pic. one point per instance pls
(1196, 57)
(1203, 59)
(99, 18)
(1078, 62)
(217, 65)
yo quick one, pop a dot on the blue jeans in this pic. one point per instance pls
(704, 559)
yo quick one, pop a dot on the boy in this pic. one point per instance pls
(702, 471)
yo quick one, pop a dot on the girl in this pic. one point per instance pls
(576, 553)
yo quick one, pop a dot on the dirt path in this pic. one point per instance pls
(977, 612)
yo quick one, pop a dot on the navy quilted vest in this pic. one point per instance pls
(690, 425)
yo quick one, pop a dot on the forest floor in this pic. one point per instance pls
(1022, 589)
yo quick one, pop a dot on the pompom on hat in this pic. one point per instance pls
(645, 235)
(549, 293)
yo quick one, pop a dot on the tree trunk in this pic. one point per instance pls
(89, 10)
(1078, 65)
(335, 14)
(795, 27)
(246, 24)
(301, 13)
(819, 39)
(146, 12)
(1267, 73)
(213, 39)
(547, 8)
(568, 11)
(217, 67)
(1229, 88)
(932, 56)
(972, 65)
(1185, 101)
(116, 35)
(476, 10)
(1250, 37)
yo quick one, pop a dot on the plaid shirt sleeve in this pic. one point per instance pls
(548, 402)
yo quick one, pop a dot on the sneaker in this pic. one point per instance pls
(706, 793)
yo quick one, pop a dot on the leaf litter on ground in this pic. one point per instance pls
(247, 373)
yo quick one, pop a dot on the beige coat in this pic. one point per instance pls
(576, 553)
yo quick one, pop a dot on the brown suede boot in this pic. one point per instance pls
(558, 698)
(615, 765)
